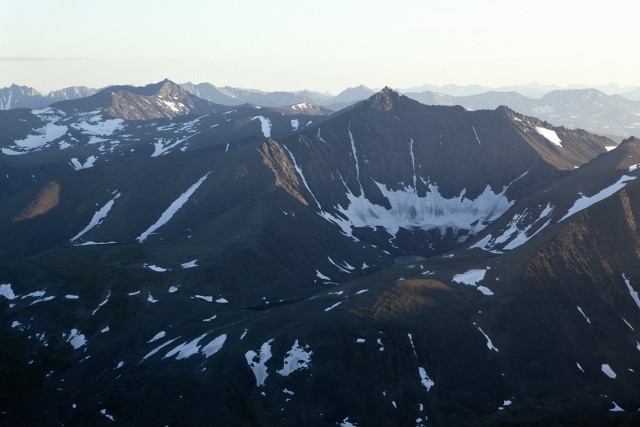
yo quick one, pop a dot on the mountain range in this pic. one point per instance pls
(611, 115)
(167, 260)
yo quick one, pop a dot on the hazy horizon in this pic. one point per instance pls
(294, 46)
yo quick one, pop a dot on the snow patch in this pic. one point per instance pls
(86, 165)
(297, 358)
(424, 378)
(551, 135)
(321, 276)
(608, 371)
(97, 219)
(6, 291)
(76, 339)
(583, 315)
(266, 126)
(632, 292)
(157, 336)
(490, 345)
(257, 362)
(173, 208)
(584, 202)
(410, 211)
(156, 268)
(295, 124)
(189, 264)
(214, 346)
(333, 306)
(186, 349)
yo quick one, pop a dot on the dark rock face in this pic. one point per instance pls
(242, 272)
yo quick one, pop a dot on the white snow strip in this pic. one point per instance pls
(185, 349)
(86, 165)
(584, 202)
(189, 264)
(583, 315)
(413, 165)
(244, 334)
(633, 167)
(105, 329)
(203, 297)
(214, 346)
(69, 296)
(355, 158)
(608, 371)
(610, 147)
(266, 126)
(476, 134)
(413, 347)
(173, 289)
(101, 304)
(344, 270)
(333, 306)
(173, 208)
(257, 362)
(579, 366)
(360, 340)
(134, 293)
(157, 349)
(362, 291)
(157, 336)
(222, 301)
(632, 292)
(321, 276)
(490, 345)
(76, 339)
(210, 318)
(304, 180)
(297, 358)
(628, 324)
(424, 379)
(97, 219)
(6, 291)
(551, 135)
(516, 231)
(156, 268)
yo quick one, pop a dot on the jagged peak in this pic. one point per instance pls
(384, 100)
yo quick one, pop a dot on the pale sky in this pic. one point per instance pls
(325, 45)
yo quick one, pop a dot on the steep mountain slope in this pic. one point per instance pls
(159, 100)
(587, 109)
(16, 96)
(390, 165)
(265, 284)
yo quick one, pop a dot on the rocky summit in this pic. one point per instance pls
(170, 261)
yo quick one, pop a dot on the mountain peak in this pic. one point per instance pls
(385, 100)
